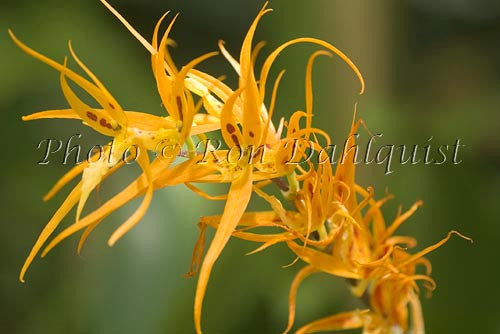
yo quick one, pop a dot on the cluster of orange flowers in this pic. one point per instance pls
(324, 217)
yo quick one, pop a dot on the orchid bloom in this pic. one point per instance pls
(246, 132)
(128, 129)
(352, 241)
(327, 220)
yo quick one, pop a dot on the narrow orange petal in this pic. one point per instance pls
(141, 39)
(75, 171)
(98, 120)
(58, 113)
(176, 175)
(309, 89)
(271, 242)
(341, 321)
(272, 57)
(63, 210)
(324, 262)
(89, 87)
(112, 106)
(143, 160)
(198, 249)
(292, 297)
(136, 119)
(238, 198)
(203, 194)
(85, 235)
(248, 219)
(402, 218)
(429, 249)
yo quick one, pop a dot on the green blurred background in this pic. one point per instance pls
(432, 70)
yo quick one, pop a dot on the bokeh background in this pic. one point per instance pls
(432, 69)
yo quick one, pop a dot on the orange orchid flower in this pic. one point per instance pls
(128, 129)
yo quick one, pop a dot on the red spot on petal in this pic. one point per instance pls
(105, 124)
(235, 140)
(92, 116)
(230, 128)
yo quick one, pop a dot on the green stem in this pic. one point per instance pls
(294, 186)
(191, 147)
